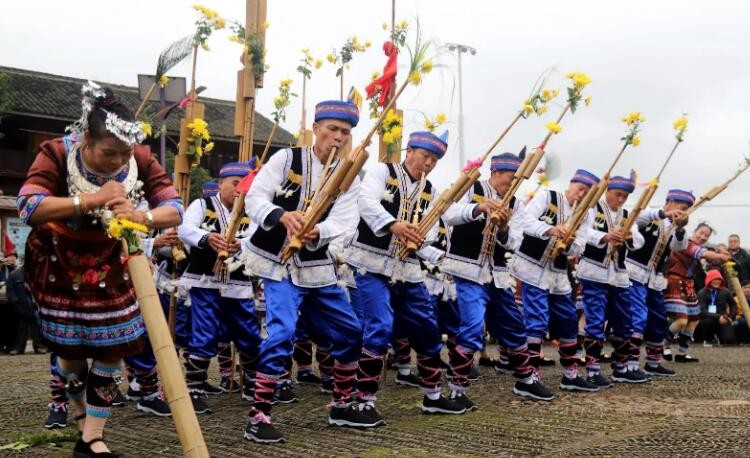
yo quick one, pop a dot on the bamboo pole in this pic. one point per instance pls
(167, 363)
(734, 283)
(150, 92)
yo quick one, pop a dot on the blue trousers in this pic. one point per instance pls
(477, 303)
(218, 319)
(146, 360)
(376, 300)
(603, 302)
(182, 322)
(330, 316)
(543, 311)
(449, 320)
(649, 313)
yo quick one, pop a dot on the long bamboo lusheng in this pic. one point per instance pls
(458, 188)
(338, 182)
(167, 363)
(716, 190)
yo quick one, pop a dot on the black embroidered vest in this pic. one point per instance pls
(201, 260)
(535, 249)
(399, 205)
(467, 241)
(644, 256)
(289, 196)
(600, 255)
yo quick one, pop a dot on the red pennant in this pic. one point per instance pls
(244, 185)
(383, 84)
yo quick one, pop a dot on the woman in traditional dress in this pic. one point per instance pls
(680, 297)
(75, 271)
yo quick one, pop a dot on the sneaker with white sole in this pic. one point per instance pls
(659, 371)
(57, 416)
(534, 390)
(260, 429)
(442, 405)
(350, 415)
(407, 380)
(155, 406)
(629, 377)
(577, 384)
(463, 400)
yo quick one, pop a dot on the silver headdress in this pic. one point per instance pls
(129, 132)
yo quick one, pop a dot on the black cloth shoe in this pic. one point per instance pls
(599, 380)
(133, 395)
(369, 410)
(120, 399)
(307, 378)
(155, 406)
(534, 390)
(199, 403)
(685, 359)
(577, 384)
(629, 377)
(210, 389)
(284, 395)
(667, 354)
(640, 373)
(83, 450)
(227, 385)
(353, 417)
(488, 362)
(263, 432)
(659, 371)
(326, 386)
(474, 374)
(57, 416)
(407, 380)
(503, 367)
(463, 400)
(442, 405)
(546, 362)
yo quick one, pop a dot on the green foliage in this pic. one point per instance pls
(198, 177)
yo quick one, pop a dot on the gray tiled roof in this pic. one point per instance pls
(59, 97)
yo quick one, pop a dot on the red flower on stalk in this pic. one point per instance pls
(90, 277)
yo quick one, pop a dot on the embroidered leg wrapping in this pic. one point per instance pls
(621, 353)
(265, 387)
(101, 388)
(461, 360)
(368, 376)
(430, 373)
(567, 350)
(535, 353)
(74, 376)
(302, 354)
(196, 373)
(325, 363)
(225, 359)
(249, 365)
(402, 348)
(654, 352)
(519, 361)
(683, 341)
(149, 382)
(56, 383)
(505, 357)
(345, 377)
(635, 347)
(593, 354)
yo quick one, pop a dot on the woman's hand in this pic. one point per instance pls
(111, 191)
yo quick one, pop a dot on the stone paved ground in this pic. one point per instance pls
(703, 412)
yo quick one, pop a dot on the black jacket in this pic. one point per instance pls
(18, 296)
(742, 264)
(725, 303)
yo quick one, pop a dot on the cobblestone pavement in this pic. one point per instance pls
(705, 411)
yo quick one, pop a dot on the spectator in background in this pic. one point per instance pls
(20, 300)
(740, 257)
(7, 315)
(741, 331)
(718, 310)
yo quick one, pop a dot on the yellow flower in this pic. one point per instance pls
(396, 132)
(427, 66)
(118, 225)
(146, 127)
(580, 79)
(286, 82)
(368, 43)
(296, 135)
(266, 25)
(547, 95)
(633, 117)
(541, 110)
(387, 138)
(163, 80)
(636, 140)
(219, 23)
(555, 92)
(587, 101)
(318, 63)
(374, 75)
(528, 108)
(205, 47)
(428, 124)
(385, 26)
(440, 118)
(543, 180)
(553, 127)
(209, 147)
(403, 25)
(415, 77)
(331, 58)
(680, 124)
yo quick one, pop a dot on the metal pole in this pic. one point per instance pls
(461, 153)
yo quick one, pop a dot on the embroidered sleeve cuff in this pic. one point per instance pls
(699, 253)
(261, 215)
(203, 242)
(272, 219)
(27, 205)
(431, 254)
(598, 238)
(469, 215)
(382, 225)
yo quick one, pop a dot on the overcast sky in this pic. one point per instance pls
(661, 58)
